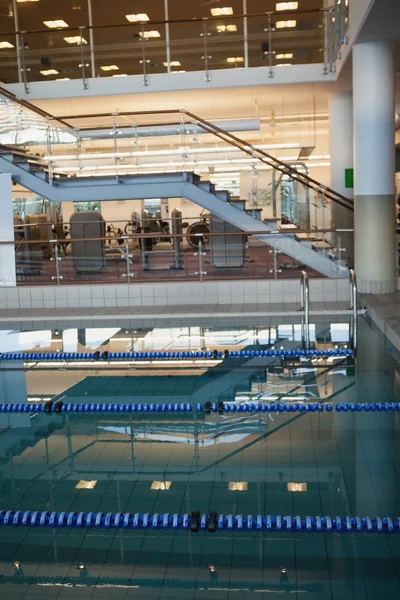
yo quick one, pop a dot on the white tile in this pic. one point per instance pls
(37, 303)
(97, 302)
(60, 293)
(24, 294)
(48, 293)
(85, 302)
(12, 294)
(61, 303)
(329, 287)
(97, 291)
(121, 301)
(36, 293)
(146, 301)
(110, 292)
(316, 288)
(122, 291)
(72, 292)
(290, 286)
(147, 290)
(160, 290)
(25, 304)
(276, 298)
(85, 292)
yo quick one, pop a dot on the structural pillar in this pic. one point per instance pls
(374, 167)
(341, 159)
(7, 251)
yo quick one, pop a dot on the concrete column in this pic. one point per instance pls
(7, 252)
(341, 153)
(374, 167)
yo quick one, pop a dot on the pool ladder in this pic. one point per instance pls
(305, 309)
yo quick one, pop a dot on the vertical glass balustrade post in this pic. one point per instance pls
(22, 62)
(56, 258)
(206, 56)
(115, 144)
(167, 36)
(91, 39)
(269, 30)
(49, 153)
(17, 40)
(245, 35)
(82, 55)
(183, 142)
(143, 41)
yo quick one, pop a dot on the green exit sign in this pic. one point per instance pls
(349, 178)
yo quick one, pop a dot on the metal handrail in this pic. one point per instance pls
(353, 307)
(305, 305)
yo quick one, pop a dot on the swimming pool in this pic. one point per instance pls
(276, 463)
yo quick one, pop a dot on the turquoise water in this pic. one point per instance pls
(308, 464)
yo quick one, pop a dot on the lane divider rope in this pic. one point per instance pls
(207, 408)
(137, 356)
(195, 522)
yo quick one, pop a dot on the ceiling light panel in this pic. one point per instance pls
(75, 39)
(121, 75)
(285, 24)
(6, 45)
(287, 6)
(57, 24)
(139, 18)
(49, 72)
(85, 485)
(222, 12)
(150, 34)
(22, 1)
(224, 28)
(109, 68)
(235, 59)
(173, 63)
(283, 56)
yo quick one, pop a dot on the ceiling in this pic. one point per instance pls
(122, 46)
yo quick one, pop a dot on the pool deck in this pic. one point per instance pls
(384, 310)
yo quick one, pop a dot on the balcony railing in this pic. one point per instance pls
(203, 44)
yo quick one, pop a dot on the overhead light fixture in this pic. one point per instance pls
(284, 24)
(173, 63)
(58, 23)
(235, 59)
(284, 65)
(85, 485)
(180, 71)
(49, 72)
(63, 79)
(238, 486)
(161, 485)
(149, 34)
(75, 39)
(22, 1)
(121, 75)
(224, 28)
(296, 487)
(287, 5)
(109, 68)
(223, 11)
(286, 55)
(6, 45)
(139, 18)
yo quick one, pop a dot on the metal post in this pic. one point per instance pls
(57, 259)
(323, 224)
(353, 307)
(17, 40)
(167, 40)
(183, 140)
(270, 72)
(245, 35)
(91, 39)
(145, 80)
(200, 254)
(128, 257)
(49, 156)
(206, 57)
(325, 69)
(22, 63)
(305, 304)
(115, 149)
(85, 85)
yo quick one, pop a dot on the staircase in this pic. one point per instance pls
(33, 174)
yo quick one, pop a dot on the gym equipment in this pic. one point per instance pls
(87, 256)
(227, 252)
(198, 231)
(195, 522)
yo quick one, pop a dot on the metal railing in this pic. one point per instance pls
(253, 39)
(353, 307)
(305, 308)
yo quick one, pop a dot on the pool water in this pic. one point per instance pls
(289, 464)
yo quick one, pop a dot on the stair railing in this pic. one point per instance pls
(305, 307)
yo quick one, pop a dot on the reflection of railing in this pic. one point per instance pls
(353, 307)
(252, 39)
(305, 306)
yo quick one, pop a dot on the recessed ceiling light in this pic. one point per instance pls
(173, 63)
(121, 75)
(85, 485)
(149, 34)
(6, 45)
(21, 1)
(139, 18)
(55, 24)
(75, 39)
(283, 24)
(63, 79)
(161, 485)
(180, 71)
(238, 486)
(235, 59)
(77, 8)
(109, 68)
(284, 65)
(224, 10)
(296, 487)
(286, 55)
(49, 72)
(223, 28)
(287, 6)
